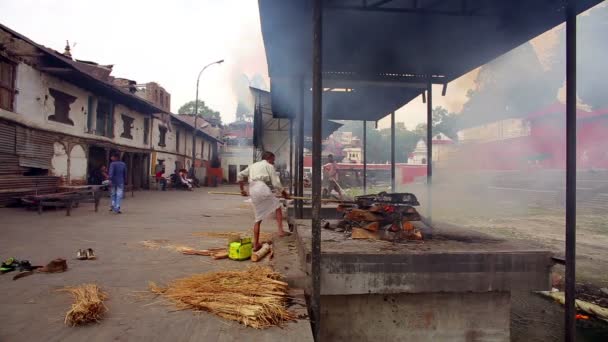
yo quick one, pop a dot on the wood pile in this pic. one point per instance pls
(377, 217)
(256, 297)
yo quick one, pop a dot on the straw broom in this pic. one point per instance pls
(255, 297)
(88, 304)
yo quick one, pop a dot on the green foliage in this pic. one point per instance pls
(203, 111)
(379, 140)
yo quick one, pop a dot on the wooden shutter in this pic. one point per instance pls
(90, 114)
(110, 122)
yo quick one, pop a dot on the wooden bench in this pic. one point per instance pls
(68, 199)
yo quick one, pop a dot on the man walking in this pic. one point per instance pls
(330, 177)
(118, 174)
(263, 178)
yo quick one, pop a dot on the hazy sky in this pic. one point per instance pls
(153, 40)
(170, 41)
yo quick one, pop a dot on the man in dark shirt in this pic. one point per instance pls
(118, 174)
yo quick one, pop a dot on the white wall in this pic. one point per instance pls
(137, 132)
(59, 161)
(78, 164)
(169, 139)
(235, 155)
(34, 104)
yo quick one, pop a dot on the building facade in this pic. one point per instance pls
(61, 118)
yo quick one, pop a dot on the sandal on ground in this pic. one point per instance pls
(81, 254)
(90, 254)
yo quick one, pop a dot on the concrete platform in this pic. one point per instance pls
(328, 211)
(454, 287)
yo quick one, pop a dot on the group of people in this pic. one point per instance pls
(180, 179)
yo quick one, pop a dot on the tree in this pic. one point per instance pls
(444, 122)
(203, 111)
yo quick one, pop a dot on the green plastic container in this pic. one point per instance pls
(240, 250)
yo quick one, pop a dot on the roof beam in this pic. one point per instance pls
(56, 70)
(379, 3)
(419, 11)
(345, 79)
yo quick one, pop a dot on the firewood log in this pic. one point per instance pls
(373, 227)
(362, 215)
(220, 255)
(360, 233)
(261, 253)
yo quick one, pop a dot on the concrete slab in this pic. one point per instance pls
(32, 310)
(453, 261)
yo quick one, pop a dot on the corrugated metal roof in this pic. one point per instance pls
(383, 52)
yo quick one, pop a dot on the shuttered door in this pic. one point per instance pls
(7, 138)
(34, 148)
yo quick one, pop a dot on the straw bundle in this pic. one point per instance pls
(88, 304)
(255, 297)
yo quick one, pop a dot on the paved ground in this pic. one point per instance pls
(32, 310)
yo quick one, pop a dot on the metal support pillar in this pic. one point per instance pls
(317, 125)
(393, 152)
(364, 157)
(291, 156)
(429, 150)
(300, 154)
(570, 312)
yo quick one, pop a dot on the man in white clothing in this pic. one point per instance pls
(263, 179)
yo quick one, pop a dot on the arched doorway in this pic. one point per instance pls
(78, 165)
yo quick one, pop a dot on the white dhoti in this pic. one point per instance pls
(263, 199)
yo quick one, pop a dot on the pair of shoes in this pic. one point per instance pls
(84, 254)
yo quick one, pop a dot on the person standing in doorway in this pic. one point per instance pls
(263, 179)
(118, 174)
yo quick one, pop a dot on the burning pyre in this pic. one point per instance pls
(385, 216)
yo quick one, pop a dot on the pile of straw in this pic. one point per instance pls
(255, 297)
(88, 304)
(229, 235)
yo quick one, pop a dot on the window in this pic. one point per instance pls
(162, 136)
(7, 84)
(203, 149)
(62, 106)
(177, 140)
(105, 119)
(423, 160)
(162, 100)
(146, 130)
(127, 126)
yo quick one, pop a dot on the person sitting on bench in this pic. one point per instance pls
(184, 180)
